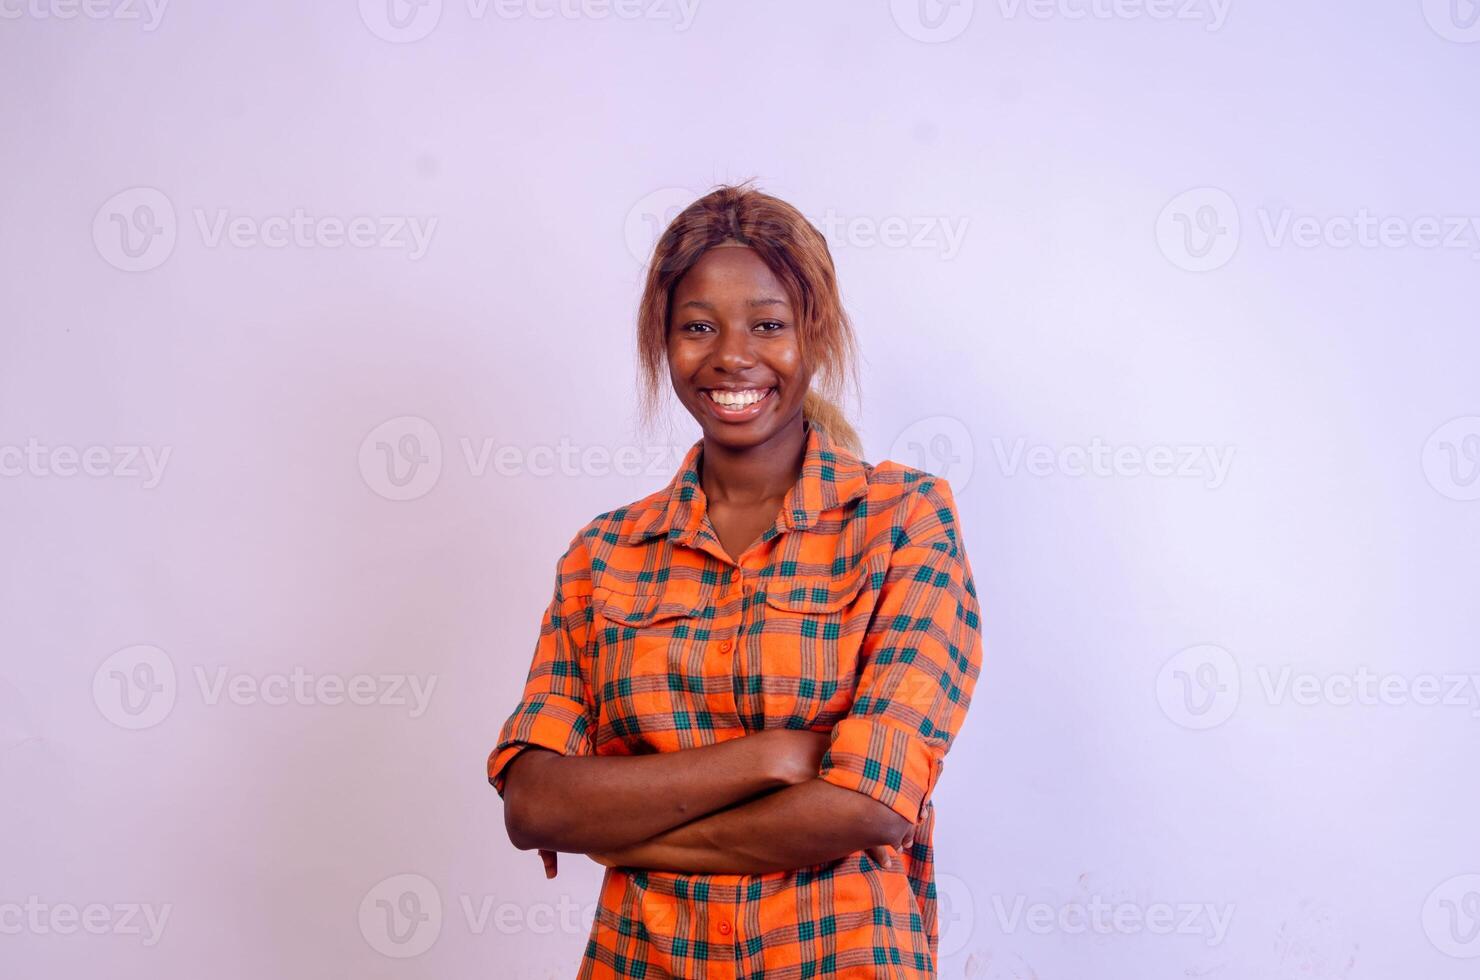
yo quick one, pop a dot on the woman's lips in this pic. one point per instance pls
(736, 405)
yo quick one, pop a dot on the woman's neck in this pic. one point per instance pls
(756, 474)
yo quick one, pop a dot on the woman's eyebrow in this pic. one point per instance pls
(706, 305)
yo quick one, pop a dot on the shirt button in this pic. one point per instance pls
(724, 928)
(724, 647)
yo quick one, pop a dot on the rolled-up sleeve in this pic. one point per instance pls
(920, 661)
(555, 711)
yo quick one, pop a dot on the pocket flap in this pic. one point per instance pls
(820, 594)
(652, 604)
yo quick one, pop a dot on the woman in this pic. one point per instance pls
(746, 683)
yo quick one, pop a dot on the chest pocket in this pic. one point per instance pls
(646, 604)
(809, 641)
(641, 637)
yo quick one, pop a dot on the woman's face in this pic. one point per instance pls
(733, 350)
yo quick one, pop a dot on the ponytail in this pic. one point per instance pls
(826, 415)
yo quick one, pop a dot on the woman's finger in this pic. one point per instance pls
(882, 856)
(551, 862)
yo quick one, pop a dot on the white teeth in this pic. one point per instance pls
(738, 399)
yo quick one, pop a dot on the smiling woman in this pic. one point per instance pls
(746, 683)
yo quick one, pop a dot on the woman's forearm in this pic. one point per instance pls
(583, 804)
(810, 823)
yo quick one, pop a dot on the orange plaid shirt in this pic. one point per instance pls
(855, 614)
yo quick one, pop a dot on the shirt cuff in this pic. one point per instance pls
(552, 722)
(881, 760)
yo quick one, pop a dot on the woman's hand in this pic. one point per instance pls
(800, 758)
(552, 861)
(884, 855)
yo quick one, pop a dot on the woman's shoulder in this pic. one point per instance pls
(894, 487)
(917, 505)
(630, 524)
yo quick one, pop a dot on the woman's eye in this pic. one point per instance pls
(770, 326)
(696, 327)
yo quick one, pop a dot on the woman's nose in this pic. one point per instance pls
(734, 351)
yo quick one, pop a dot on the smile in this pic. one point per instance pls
(736, 405)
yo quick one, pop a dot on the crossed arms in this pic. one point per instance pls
(774, 800)
(749, 805)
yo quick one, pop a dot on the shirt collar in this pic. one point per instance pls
(831, 477)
